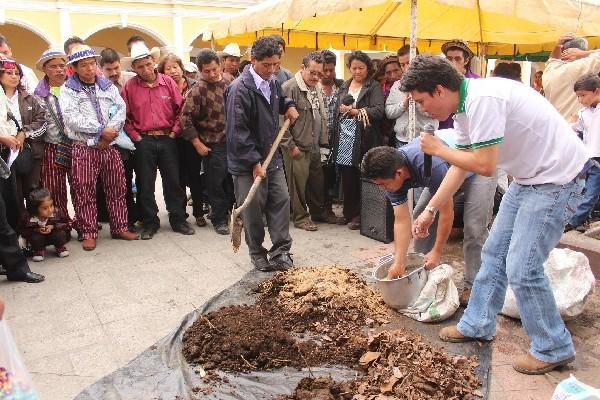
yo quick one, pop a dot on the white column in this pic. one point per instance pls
(65, 21)
(178, 32)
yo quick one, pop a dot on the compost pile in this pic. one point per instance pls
(320, 316)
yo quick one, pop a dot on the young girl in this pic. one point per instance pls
(43, 225)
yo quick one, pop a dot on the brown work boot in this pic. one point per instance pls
(452, 335)
(528, 364)
(88, 244)
(463, 299)
(126, 235)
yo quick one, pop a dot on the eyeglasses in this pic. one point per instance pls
(315, 73)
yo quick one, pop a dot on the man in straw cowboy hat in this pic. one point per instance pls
(94, 113)
(56, 168)
(230, 59)
(153, 105)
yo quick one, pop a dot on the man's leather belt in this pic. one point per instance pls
(159, 132)
(78, 142)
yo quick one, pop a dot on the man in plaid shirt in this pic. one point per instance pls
(203, 125)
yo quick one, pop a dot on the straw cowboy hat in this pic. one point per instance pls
(232, 50)
(190, 66)
(81, 52)
(138, 51)
(50, 55)
(457, 44)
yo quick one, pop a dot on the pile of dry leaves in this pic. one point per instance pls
(399, 365)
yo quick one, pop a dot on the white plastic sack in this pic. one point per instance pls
(438, 299)
(571, 280)
(572, 389)
(15, 382)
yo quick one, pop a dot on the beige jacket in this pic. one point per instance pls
(301, 133)
(559, 78)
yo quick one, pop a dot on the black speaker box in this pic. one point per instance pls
(376, 213)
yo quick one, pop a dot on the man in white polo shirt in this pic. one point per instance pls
(504, 124)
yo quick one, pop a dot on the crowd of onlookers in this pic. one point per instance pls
(102, 126)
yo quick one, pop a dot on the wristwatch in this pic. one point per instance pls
(432, 210)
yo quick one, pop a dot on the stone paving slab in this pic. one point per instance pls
(98, 310)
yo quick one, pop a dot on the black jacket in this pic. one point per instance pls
(252, 123)
(371, 99)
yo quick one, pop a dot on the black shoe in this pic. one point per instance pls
(283, 261)
(2, 270)
(29, 277)
(148, 233)
(184, 228)
(222, 228)
(262, 264)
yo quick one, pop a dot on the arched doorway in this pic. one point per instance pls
(116, 38)
(26, 45)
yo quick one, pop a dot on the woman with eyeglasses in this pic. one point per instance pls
(30, 119)
(14, 264)
(358, 129)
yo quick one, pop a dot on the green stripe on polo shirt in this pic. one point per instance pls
(462, 95)
(487, 143)
(463, 146)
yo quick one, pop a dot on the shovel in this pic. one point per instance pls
(236, 224)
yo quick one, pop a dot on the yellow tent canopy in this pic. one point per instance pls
(499, 27)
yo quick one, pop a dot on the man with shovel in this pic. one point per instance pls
(253, 103)
(501, 123)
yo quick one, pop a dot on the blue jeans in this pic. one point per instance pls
(528, 226)
(590, 197)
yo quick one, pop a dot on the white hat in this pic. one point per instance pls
(50, 55)
(190, 66)
(232, 49)
(80, 52)
(139, 50)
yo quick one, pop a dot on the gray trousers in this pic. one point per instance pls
(479, 202)
(272, 200)
(305, 184)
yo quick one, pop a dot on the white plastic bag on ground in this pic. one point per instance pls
(438, 299)
(572, 389)
(15, 382)
(571, 280)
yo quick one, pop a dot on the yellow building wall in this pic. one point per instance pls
(43, 22)
(27, 55)
(116, 38)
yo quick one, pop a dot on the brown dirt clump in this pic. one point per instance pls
(241, 338)
(332, 301)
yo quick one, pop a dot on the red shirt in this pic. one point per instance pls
(151, 108)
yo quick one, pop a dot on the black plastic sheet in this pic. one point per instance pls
(162, 373)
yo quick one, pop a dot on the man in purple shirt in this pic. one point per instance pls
(152, 122)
